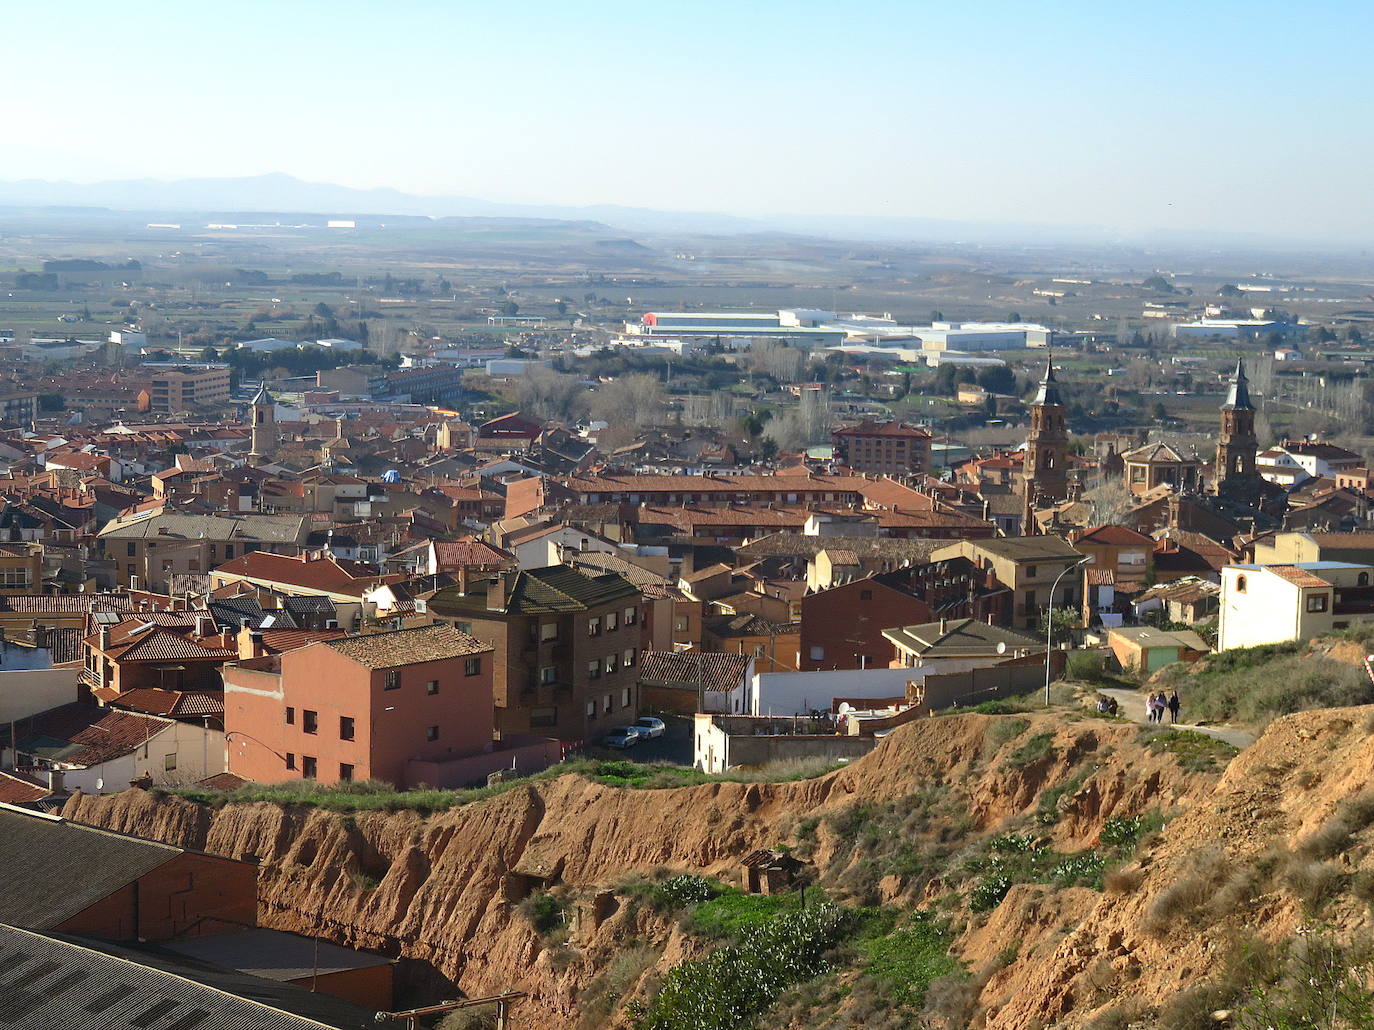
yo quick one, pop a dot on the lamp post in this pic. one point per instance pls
(1049, 621)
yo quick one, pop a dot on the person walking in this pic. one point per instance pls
(1150, 708)
(1174, 705)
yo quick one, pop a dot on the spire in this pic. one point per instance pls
(1049, 387)
(1238, 399)
(262, 396)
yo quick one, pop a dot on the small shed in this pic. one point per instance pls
(767, 871)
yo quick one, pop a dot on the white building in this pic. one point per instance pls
(1269, 604)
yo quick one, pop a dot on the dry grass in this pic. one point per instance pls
(1191, 892)
(1123, 881)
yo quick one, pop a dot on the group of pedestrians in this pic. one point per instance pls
(1158, 704)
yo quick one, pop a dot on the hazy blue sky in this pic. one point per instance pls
(1203, 114)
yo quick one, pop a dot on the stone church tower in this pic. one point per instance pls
(1236, 476)
(263, 432)
(1045, 476)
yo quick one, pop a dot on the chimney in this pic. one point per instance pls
(104, 637)
(944, 625)
(462, 573)
(205, 625)
(133, 582)
(250, 643)
(55, 778)
(496, 594)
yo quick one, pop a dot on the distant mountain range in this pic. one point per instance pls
(284, 193)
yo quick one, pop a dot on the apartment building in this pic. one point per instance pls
(883, 448)
(188, 387)
(18, 408)
(359, 707)
(150, 547)
(567, 647)
(21, 568)
(1028, 567)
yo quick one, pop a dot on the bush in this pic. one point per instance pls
(729, 987)
(544, 912)
(1034, 750)
(682, 892)
(1089, 666)
(1195, 752)
(1004, 731)
(905, 962)
(988, 893)
(1123, 832)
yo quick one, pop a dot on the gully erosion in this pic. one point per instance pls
(440, 891)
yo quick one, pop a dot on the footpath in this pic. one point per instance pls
(1132, 706)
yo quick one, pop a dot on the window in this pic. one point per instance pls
(629, 657)
(612, 621)
(345, 771)
(543, 717)
(625, 698)
(612, 663)
(432, 687)
(679, 625)
(548, 631)
(606, 705)
(817, 653)
(594, 627)
(1240, 584)
(594, 669)
(391, 679)
(290, 760)
(290, 716)
(548, 674)
(228, 550)
(308, 769)
(472, 666)
(169, 762)
(1030, 571)
(631, 615)
(129, 549)
(346, 729)
(311, 720)
(1362, 579)
(432, 733)
(865, 595)
(464, 627)
(1316, 602)
(591, 709)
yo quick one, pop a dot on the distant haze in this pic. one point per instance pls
(1165, 117)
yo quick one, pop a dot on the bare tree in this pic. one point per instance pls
(633, 400)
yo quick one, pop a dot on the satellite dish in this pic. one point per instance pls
(1001, 647)
(100, 783)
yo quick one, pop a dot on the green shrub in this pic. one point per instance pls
(1123, 832)
(988, 893)
(1003, 731)
(1195, 752)
(732, 913)
(545, 912)
(1083, 870)
(1034, 750)
(996, 708)
(1089, 666)
(728, 988)
(904, 962)
(682, 892)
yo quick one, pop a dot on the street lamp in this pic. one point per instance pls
(1049, 620)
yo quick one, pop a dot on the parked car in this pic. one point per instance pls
(622, 737)
(649, 727)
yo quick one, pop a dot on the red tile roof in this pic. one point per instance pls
(469, 552)
(84, 735)
(327, 573)
(17, 789)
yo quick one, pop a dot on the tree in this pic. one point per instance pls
(323, 310)
(510, 309)
(561, 307)
(1014, 316)
(997, 379)
(209, 354)
(548, 395)
(634, 400)
(937, 316)
(1158, 412)
(1159, 284)
(1229, 290)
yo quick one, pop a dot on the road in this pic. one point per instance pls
(1132, 704)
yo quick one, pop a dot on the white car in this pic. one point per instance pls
(622, 738)
(649, 727)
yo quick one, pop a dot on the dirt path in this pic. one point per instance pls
(1132, 704)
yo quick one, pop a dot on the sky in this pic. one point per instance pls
(1163, 115)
